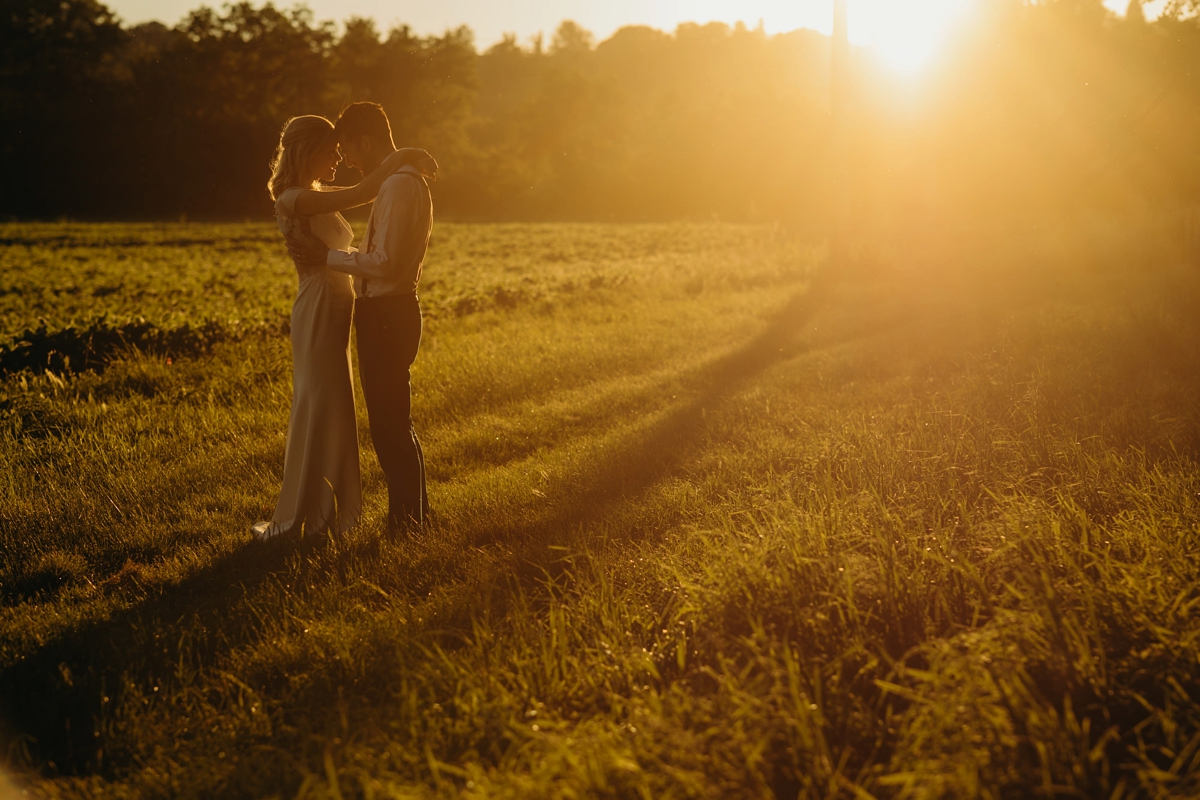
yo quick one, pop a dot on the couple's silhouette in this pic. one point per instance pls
(374, 285)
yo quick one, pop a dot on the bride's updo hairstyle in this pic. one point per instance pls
(301, 139)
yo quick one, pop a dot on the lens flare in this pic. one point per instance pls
(908, 36)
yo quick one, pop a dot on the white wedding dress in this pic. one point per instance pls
(321, 482)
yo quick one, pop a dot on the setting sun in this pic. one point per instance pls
(905, 36)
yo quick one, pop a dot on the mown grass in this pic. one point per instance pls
(713, 522)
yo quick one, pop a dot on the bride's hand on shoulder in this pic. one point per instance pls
(426, 164)
(415, 157)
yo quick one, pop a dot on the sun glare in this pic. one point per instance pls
(906, 35)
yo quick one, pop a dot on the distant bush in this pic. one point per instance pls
(92, 348)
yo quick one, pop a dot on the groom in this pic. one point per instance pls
(387, 313)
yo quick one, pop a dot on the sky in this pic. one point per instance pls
(906, 32)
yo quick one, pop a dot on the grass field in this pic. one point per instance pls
(714, 520)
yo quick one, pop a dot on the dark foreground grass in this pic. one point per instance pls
(726, 526)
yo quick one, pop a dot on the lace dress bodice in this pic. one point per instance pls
(330, 229)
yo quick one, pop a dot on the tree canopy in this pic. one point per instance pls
(1048, 103)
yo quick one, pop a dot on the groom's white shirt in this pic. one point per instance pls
(393, 249)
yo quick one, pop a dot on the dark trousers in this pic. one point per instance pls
(389, 333)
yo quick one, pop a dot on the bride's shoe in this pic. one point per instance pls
(264, 531)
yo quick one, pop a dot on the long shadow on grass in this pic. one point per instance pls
(56, 706)
(55, 700)
(667, 444)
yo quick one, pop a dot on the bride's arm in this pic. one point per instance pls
(310, 203)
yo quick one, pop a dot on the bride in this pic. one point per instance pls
(321, 485)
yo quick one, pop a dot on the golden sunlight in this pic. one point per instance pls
(907, 36)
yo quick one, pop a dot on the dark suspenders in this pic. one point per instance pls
(371, 224)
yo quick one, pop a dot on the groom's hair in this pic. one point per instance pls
(363, 119)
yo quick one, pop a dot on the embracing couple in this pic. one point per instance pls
(374, 285)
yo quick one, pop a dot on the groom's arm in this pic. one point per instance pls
(398, 193)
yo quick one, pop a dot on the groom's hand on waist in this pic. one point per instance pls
(308, 253)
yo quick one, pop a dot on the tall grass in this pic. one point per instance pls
(730, 527)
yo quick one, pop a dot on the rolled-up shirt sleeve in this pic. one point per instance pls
(374, 263)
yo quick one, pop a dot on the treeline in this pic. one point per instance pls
(1052, 104)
